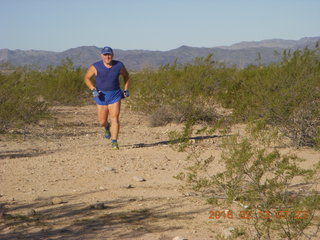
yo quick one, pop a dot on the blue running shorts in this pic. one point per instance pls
(108, 97)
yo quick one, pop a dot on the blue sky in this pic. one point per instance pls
(57, 25)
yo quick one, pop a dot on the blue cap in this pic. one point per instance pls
(107, 50)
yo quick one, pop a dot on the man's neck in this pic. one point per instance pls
(109, 65)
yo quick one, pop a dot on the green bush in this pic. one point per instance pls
(62, 84)
(18, 103)
(26, 94)
(285, 95)
(264, 183)
(178, 94)
(181, 140)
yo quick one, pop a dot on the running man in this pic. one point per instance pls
(107, 93)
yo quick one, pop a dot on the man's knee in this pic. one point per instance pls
(103, 123)
(114, 120)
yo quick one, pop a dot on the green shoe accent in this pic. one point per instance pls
(115, 146)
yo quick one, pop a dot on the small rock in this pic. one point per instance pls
(128, 186)
(98, 205)
(227, 232)
(180, 238)
(242, 205)
(108, 169)
(189, 194)
(138, 179)
(29, 212)
(56, 200)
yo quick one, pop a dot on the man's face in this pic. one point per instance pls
(107, 58)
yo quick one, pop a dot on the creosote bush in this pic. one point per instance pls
(26, 94)
(177, 94)
(18, 103)
(285, 95)
(63, 84)
(279, 195)
(181, 140)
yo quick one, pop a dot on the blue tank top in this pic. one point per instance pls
(107, 79)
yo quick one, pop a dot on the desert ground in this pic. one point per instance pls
(61, 180)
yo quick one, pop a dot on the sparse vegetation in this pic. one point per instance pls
(178, 94)
(63, 84)
(181, 140)
(263, 182)
(26, 94)
(277, 100)
(18, 103)
(284, 95)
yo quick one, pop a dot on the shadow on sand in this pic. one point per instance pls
(199, 138)
(74, 221)
(22, 153)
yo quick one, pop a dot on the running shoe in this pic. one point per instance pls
(107, 134)
(114, 146)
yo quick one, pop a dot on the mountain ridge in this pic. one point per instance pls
(239, 54)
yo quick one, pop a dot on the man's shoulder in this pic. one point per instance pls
(117, 63)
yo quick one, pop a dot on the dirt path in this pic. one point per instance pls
(94, 188)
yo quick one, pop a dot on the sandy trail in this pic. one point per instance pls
(71, 160)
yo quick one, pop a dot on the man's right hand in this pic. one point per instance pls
(95, 92)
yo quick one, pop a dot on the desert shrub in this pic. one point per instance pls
(178, 93)
(285, 95)
(263, 182)
(180, 140)
(18, 103)
(26, 94)
(62, 84)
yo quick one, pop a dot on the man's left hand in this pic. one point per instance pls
(126, 93)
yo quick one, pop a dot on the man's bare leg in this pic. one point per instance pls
(114, 114)
(102, 111)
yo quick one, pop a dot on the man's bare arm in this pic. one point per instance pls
(87, 77)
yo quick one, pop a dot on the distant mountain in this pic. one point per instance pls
(275, 43)
(240, 54)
